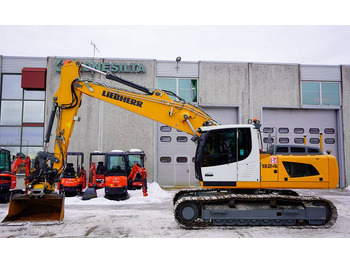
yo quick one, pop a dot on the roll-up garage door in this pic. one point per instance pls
(289, 126)
(176, 152)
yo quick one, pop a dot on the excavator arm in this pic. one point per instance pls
(153, 104)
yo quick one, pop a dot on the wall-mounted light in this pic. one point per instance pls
(178, 59)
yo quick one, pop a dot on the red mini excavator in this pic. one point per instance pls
(138, 172)
(97, 173)
(137, 177)
(96, 176)
(116, 175)
(8, 172)
(72, 181)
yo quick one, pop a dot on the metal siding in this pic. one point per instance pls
(14, 65)
(226, 115)
(320, 73)
(300, 118)
(186, 69)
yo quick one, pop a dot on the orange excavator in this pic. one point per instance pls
(73, 182)
(8, 173)
(96, 176)
(138, 172)
(137, 177)
(122, 172)
(97, 172)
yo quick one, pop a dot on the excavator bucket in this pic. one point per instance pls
(40, 209)
(89, 193)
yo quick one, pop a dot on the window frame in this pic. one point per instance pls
(177, 85)
(22, 144)
(320, 105)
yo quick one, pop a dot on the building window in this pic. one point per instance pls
(268, 130)
(329, 131)
(21, 117)
(320, 93)
(329, 141)
(299, 140)
(268, 141)
(314, 140)
(284, 140)
(298, 130)
(184, 88)
(165, 139)
(181, 139)
(165, 128)
(181, 159)
(283, 130)
(314, 130)
(165, 159)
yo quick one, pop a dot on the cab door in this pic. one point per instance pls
(219, 158)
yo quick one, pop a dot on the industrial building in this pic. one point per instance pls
(291, 100)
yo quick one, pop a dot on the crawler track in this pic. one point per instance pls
(207, 199)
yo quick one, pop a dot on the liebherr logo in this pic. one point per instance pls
(121, 98)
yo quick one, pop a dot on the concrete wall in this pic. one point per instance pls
(126, 130)
(224, 84)
(250, 86)
(346, 118)
(104, 127)
(273, 85)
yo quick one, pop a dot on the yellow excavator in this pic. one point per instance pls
(241, 185)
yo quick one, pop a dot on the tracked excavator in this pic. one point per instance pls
(240, 184)
(137, 178)
(73, 180)
(8, 171)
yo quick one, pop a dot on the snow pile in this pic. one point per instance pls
(348, 188)
(155, 195)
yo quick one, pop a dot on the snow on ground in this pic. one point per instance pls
(152, 217)
(99, 220)
(155, 195)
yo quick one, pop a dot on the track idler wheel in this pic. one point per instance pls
(188, 212)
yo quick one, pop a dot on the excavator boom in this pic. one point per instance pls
(156, 105)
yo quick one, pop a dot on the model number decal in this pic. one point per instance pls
(269, 166)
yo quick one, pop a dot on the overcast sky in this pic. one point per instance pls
(316, 42)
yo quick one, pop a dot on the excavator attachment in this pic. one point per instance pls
(89, 193)
(37, 209)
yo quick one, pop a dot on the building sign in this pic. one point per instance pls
(112, 67)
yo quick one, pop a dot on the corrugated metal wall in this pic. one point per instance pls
(320, 73)
(169, 69)
(14, 65)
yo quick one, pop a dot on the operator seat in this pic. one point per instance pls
(69, 171)
(101, 168)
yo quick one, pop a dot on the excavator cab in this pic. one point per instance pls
(116, 175)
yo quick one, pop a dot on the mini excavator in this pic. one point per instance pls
(73, 180)
(240, 184)
(123, 171)
(8, 171)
